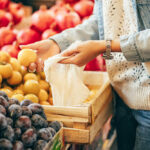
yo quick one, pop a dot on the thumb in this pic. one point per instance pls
(30, 46)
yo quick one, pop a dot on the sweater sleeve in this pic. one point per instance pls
(136, 47)
(88, 30)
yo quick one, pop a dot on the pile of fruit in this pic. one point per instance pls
(19, 79)
(44, 23)
(23, 126)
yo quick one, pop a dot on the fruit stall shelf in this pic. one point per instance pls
(82, 123)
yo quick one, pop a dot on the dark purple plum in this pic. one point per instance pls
(44, 134)
(29, 137)
(23, 123)
(51, 130)
(9, 121)
(18, 145)
(3, 94)
(2, 110)
(3, 122)
(36, 108)
(26, 102)
(43, 115)
(55, 125)
(5, 144)
(17, 132)
(39, 145)
(39, 122)
(4, 102)
(26, 111)
(8, 133)
(13, 101)
(15, 111)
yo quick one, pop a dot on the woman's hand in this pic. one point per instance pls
(45, 49)
(80, 53)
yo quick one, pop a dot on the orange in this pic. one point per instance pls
(32, 97)
(15, 79)
(42, 74)
(44, 103)
(18, 92)
(44, 85)
(19, 97)
(30, 76)
(27, 56)
(6, 71)
(4, 57)
(1, 79)
(20, 87)
(43, 95)
(50, 100)
(15, 64)
(7, 91)
(8, 87)
(31, 87)
(23, 70)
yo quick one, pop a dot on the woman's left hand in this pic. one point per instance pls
(80, 53)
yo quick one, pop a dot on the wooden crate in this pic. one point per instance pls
(82, 123)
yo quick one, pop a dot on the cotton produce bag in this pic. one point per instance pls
(66, 81)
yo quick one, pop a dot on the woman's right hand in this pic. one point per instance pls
(45, 49)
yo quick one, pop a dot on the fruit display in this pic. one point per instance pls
(21, 82)
(44, 23)
(24, 125)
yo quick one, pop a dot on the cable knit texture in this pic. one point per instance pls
(130, 79)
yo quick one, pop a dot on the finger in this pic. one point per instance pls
(40, 65)
(69, 53)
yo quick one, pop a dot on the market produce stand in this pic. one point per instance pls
(82, 123)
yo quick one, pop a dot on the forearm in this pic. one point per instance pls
(100, 45)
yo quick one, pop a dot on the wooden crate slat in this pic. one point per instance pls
(68, 111)
(76, 135)
(52, 117)
(100, 120)
(104, 97)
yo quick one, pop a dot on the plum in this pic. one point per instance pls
(23, 123)
(26, 102)
(26, 111)
(55, 125)
(28, 149)
(18, 145)
(9, 121)
(5, 144)
(2, 110)
(8, 133)
(17, 132)
(51, 130)
(4, 102)
(14, 111)
(29, 137)
(44, 134)
(43, 115)
(36, 108)
(3, 94)
(39, 145)
(39, 122)
(13, 101)
(3, 122)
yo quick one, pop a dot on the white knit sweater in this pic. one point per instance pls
(130, 79)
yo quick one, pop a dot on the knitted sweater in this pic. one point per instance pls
(130, 79)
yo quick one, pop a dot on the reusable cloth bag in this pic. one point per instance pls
(66, 81)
